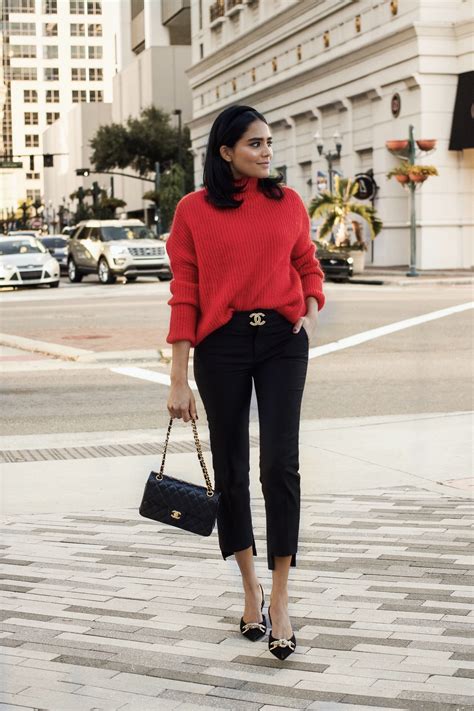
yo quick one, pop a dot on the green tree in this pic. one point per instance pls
(171, 191)
(142, 142)
(335, 209)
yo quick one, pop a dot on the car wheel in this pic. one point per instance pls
(165, 277)
(54, 284)
(105, 275)
(73, 272)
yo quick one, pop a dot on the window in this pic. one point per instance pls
(31, 118)
(23, 51)
(51, 74)
(30, 96)
(95, 52)
(20, 5)
(94, 7)
(50, 7)
(32, 140)
(79, 97)
(78, 74)
(95, 30)
(201, 50)
(32, 176)
(20, 73)
(50, 51)
(52, 96)
(51, 117)
(77, 30)
(78, 52)
(96, 96)
(34, 195)
(95, 74)
(76, 7)
(50, 29)
(20, 28)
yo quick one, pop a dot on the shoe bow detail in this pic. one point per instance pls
(283, 643)
(254, 626)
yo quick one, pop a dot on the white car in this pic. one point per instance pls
(24, 261)
(112, 248)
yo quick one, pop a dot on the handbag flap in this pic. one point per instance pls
(183, 496)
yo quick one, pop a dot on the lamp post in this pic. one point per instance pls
(178, 112)
(329, 155)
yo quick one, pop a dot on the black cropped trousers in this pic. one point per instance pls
(256, 345)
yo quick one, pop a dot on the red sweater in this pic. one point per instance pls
(259, 255)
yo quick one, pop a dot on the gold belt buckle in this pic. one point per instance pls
(257, 318)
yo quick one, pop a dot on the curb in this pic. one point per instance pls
(34, 346)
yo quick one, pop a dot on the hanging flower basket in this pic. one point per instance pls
(417, 177)
(396, 145)
(426, 144)
(402, 178)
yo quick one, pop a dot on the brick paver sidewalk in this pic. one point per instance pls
(111, 611)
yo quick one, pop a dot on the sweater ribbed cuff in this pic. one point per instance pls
(313, 286)
(183, 323)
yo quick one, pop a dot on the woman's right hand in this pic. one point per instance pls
(181, 402)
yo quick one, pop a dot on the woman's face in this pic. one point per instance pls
(250, 157)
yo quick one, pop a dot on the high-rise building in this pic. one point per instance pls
(56, 53)
(364, 71)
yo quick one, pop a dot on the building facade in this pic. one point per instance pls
(56, 54)
(362, 69)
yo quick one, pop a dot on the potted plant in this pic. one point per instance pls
(426, 144)
(419, 173)
(400, 173)
(397, 145)
(335, 208)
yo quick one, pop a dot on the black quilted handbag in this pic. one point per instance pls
(181, 503)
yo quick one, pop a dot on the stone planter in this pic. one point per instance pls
(358, 255)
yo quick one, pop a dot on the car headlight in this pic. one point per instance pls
(349, 260)
(6, 269)
(51, 264)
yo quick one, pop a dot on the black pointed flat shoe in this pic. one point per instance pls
(254, 630)
(281, 648)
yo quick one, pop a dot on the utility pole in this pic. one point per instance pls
(157, 190)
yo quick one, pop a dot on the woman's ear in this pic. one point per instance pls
(225, 154)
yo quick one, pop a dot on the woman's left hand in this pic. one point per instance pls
(308, 322)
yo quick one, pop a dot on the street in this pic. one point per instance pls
(104, 610)
(426, 368)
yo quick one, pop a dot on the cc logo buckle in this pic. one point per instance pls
(176, 514)
(257, 318)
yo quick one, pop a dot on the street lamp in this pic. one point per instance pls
(178, 112)
(329, 155)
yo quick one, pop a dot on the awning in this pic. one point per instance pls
(462, 129)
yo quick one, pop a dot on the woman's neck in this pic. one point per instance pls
(249, 182)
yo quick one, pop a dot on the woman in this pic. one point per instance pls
(246, 291)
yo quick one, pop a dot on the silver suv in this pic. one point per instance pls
(112, 248)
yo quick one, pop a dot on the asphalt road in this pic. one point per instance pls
(424, 368)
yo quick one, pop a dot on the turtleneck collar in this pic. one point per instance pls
(250, 183)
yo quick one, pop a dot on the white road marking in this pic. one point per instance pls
(348, 342)
(385, 330)
(150, 375)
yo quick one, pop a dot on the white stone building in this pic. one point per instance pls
(57, 53)
(321, 66)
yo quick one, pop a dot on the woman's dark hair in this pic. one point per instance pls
(227, 129)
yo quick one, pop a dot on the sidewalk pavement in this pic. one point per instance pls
(103, 609)
(397, 276)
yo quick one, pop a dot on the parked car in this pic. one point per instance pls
(24, 233)
(58, 247)
(68, 230)
(337, 266)
(112, 248)
(24, 261)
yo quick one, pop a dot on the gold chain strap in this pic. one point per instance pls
(210, 490)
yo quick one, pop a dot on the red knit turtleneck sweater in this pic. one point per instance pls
(259, 255)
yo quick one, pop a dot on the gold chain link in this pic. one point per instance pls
(210, 490)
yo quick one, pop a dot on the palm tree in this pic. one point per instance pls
(336, 207)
